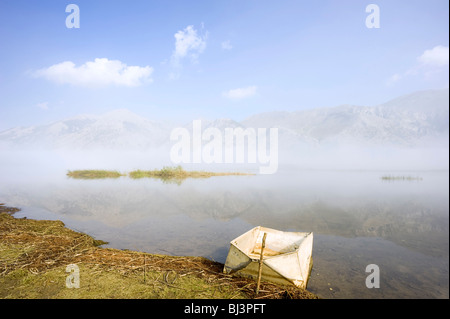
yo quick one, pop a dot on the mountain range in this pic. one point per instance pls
(410, 120)
(415, 120)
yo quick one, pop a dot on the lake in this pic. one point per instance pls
(357, 218)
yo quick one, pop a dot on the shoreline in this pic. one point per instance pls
(34, 255)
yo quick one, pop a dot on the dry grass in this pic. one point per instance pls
(401, 178)
(167, 174)
(178, 174)
(94, 174)
(34, 254)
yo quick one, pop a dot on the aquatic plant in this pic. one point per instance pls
(94, 174)
(400, 178)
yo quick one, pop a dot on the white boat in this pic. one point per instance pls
(287, 256)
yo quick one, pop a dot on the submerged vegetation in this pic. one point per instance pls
(400, 178)
(35, 254)
(166, 174)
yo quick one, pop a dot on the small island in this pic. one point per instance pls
(166, 174)
(94, 174)
(401, 178)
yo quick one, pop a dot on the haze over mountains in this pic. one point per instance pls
(416, 124)
(409, 120)
(113, 130)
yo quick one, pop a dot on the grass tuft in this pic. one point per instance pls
(94, 174)
(401, 178)
(166, 174)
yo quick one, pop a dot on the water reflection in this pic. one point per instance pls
(357, 219)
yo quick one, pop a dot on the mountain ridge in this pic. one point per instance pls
(408, 121)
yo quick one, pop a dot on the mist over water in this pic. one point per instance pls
(336, 151)
(357, 218)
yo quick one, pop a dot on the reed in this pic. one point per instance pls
(167, 174)
(178, 173)
(401, 178)
(94, 174)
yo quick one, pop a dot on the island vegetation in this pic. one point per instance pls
(166, 174)
(94, 174)
(400, 178)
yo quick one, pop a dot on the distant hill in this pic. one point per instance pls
(411, 120)
(414, 120)
(118, 129)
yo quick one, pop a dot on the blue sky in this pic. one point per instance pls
(180, 60)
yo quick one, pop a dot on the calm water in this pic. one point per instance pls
(357, 219)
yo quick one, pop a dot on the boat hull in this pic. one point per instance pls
(287, 257)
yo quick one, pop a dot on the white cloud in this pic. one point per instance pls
(43, 106)
(240, 93)
(429, 64)
(100, 72)
(188, 43)
(226, 45)
(436, 57)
